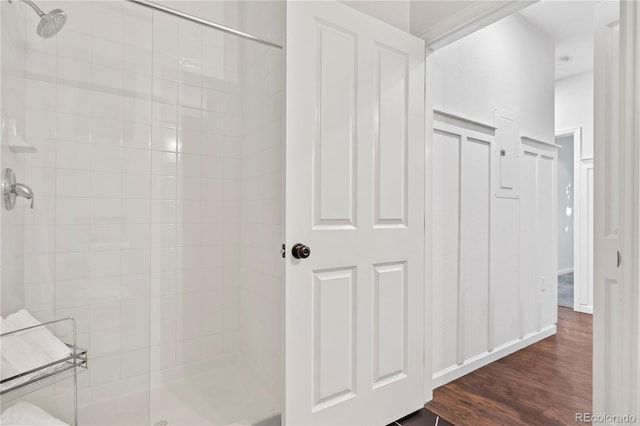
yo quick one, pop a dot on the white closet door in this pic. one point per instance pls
(354, 196)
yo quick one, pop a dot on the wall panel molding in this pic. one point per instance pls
(493, 283)
(447, 117)
(465, 187)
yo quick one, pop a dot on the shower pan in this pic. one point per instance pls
(157, 166)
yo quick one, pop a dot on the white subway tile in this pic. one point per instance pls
(105, 316)
(163, 211)
(163, 187)
(136, 286)
(106, 184)
(133, 363)
(105, 342)
(165, 91)
(106, 105)
(136, 186)
(135, 337)
(136, 210)
(105, 369)
(190, 96)
(189, 165)
(72, 238)
(40, 123)
(189, 234)
(136, 135)
(107, 78)
(105, 289)
(135, 261)
(136, 236)
(73, 183)
(136, 110)
(76, 128)
(41, 94)
(106, 132)
(41, 180)
(165, 66)
(42, 63)
(105, 263)
(163, 235)
(107, 52)
(189, 188)
(134, 311)
(189, 142)
(38, 239)
(136, 161)
(72, 266)
(72, 211)
(106, 210)
(136, 85)
(106, 158)
(73, 155)
(164, 138)
(164, 163)
(137, 59)
(163, 260)
(74, 72)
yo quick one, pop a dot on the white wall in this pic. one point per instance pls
(494, 281)
(565, 204)
(509, 64)
(574, 107)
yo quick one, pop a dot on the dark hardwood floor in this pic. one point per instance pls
(544, 384)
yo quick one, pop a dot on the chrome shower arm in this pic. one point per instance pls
(33, 6)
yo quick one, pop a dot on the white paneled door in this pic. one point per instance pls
(611, 293)
(355, 197)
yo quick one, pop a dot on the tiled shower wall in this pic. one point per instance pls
(262, 291)
(139, 121)
(13, 106)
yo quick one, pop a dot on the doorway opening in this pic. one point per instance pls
(566, 231)
(512, 195)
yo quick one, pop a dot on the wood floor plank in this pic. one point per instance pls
(543, 384)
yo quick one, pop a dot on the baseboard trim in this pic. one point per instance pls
(585, 309)
(454, 372)
(565, 271)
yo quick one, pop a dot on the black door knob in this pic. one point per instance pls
(300, 251)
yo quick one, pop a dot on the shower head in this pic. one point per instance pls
(50, 23)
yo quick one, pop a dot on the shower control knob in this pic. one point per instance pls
(300, 251)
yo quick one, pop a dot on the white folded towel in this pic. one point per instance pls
(23, 413)
(18, 355)
(49, 343)
(28, 350)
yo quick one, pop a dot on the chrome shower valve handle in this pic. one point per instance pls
(11, 190)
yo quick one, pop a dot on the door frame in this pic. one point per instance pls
(465, 24)
(630, 143)
(581, 264)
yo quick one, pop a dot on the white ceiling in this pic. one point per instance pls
(570, 24)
